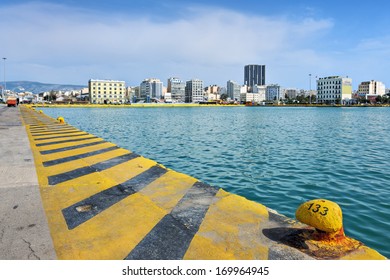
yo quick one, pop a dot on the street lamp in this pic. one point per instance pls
(310, 88)
(5, 85)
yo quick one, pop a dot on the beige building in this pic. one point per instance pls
(371, 88)
(107, 91)
(250, 97)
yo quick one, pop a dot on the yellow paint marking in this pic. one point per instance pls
(79, 163)
(110, 235)
(41, 130)
(230, 230)
(70, 192)
(75, 152)
(70, 144)
(363, 253)
(80, 137)
(59, 197)
(46, 126)
(129, 169)
(49, 133)
(167, 190)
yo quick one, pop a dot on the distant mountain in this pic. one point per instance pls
(36, 87)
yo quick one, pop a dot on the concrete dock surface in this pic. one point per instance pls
(24, 232)
(67, 194)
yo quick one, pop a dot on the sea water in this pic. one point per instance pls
(277, 156)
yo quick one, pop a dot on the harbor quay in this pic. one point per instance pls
(70, 195)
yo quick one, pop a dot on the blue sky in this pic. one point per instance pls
(72, 41)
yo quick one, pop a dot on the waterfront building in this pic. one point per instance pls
(212, 93)
(168, 97)
(151, 89)
(273, 93)
(249, 97)
(106, 91)
(212, 89)
(254, 75)
(130, 94)
(261, 91)
(177, 88)
(233, 90)
(222, 90)
(194, 91)
(371, 88)
(334, 89)
(212, 96)
(291, 93)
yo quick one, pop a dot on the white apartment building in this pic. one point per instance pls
(177, 88)
(261, 91)
(106, 91)
(371, 88)
(273, 93)
(151, 89)
(194, 91)
(250, 97)
(334, 89)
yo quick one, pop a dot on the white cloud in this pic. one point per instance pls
(65, 44)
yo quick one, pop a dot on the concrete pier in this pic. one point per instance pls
(24, 232)
(100, 201)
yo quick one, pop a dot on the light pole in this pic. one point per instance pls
(5, 85)
(310, 88)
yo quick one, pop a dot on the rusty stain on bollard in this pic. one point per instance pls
(327, 240)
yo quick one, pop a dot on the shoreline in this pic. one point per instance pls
(180, 105)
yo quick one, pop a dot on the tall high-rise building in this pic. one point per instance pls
(254, 75)
(194, 91)
(177, 89)
(233, 90)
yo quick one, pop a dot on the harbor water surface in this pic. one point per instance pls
(277, 156)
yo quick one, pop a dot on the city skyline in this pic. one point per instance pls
(209, 40)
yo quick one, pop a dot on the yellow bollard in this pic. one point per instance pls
(328, 240)
(40, 112)
(61, 119)
(321, 214)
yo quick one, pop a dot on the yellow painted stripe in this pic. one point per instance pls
(230, 230)
(167, 190)
(48, 141)
(74, 152)
(69, 166)
(110, 235)
(70, 192)
(64, 145)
